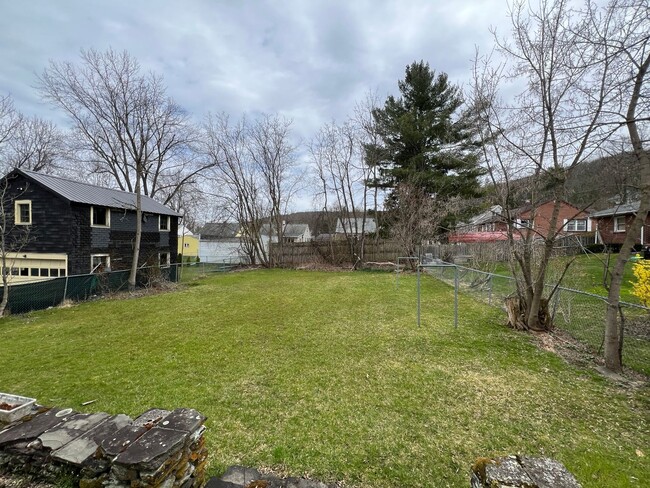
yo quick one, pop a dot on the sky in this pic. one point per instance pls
(308, 60)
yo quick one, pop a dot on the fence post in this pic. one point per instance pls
(418, 295)
(65, 288)
(455, 297)
(490, 290)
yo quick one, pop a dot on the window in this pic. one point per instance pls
(54, 272)
(34, 272)
(163, 222)
(619, 224)
(45, 272)
(186, 245)
(100, 263)
(576, 225)
(100, 217)
(23, 212)
(163, 260)
(524, 223)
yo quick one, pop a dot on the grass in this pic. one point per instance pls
(327, 375)
(586, 274)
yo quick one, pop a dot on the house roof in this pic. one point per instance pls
(623, 209)
(295, 230)
(220, 230)
(80, 192)
(354, 226)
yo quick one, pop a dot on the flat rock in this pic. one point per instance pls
(240, 475)
(548, 473)
(71, 428)
(83, 447)
(123, 438)
(186, 419)
(506, 471)
(29, 430)
(152, 445)
(151, 417)
(218, 483)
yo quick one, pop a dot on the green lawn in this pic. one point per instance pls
(327, 374)
(586, 274)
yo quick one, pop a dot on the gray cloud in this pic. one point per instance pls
(310, 60)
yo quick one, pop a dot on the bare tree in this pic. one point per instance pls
(36, 145)
(12, 237)
(550, 127)
(124, 123)
(270, 148)
(341, 174)
(622, 33)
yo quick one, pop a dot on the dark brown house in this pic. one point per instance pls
(612, 225)
(79, 228)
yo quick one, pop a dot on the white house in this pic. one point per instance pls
(355, 226)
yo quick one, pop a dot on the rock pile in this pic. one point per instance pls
(158, 449)
(521, 472)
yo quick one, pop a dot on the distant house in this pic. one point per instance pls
(488, 226)
(296, 233)
(220, 241)
(188, 244)
(613, 223)
(355, 226)
(78, 228)
(491, 225)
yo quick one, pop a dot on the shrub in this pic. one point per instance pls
(641, 283)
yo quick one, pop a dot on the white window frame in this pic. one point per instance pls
(92, 217)
(167, 262)
(617, 225)
(100, 255)
(572, 225)
(160, 221)
(17, 219)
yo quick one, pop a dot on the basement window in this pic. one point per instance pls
(163, 260)
(100, 263)
(23, 212)
(100, 217)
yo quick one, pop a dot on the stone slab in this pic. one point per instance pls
(548, 473)
(151, 417)
(240, 475)
(186, 419)
(506, 471)
(123, 438)
(71, 428)
(218, 483)
(79, 450)
(31, 429)
(151, 445)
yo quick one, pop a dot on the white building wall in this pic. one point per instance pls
(219, 251)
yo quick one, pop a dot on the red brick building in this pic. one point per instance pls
(491, 226)
(612, 225)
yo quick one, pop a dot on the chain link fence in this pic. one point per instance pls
(578, 313)
(40, 295)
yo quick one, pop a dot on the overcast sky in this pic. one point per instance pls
(308, 60)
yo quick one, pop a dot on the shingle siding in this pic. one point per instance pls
(59, 226)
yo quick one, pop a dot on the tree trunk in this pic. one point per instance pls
(519, 316)
(138, 232)
(613, 334)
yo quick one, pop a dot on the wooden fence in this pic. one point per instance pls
(337, 253)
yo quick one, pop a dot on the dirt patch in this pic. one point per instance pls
(578, 354)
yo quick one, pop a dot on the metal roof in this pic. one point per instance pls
(622, 209)
(79, 192)
(295, 230)
(219, 230)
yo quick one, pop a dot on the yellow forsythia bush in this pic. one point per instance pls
(641, 284)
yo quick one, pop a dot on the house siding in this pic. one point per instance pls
(544, 212)
(605, 226)
(59, 226)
